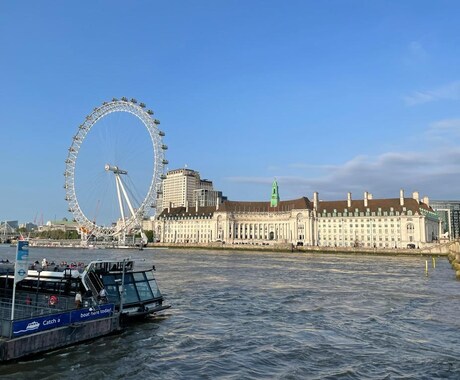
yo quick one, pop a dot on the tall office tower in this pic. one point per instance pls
(179, 186)
(183, 187)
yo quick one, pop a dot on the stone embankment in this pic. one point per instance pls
(437, 250)
(454, 258)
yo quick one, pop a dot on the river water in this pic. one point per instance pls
(252, 315)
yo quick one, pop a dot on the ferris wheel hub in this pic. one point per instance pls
(114, 169)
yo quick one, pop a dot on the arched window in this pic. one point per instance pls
(410, 228)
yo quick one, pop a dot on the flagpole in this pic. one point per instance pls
(13, 301)
(20, 268)
(14, 296)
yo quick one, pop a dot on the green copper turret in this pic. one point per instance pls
(275, 195)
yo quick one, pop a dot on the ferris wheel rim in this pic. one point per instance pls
(158, 157)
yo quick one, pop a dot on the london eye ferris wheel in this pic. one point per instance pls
(114, 169)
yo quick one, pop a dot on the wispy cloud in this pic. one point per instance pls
(445, 124)
(431, 166)
(450, 91)
(415, 54)
(446, 131)
(433, 174)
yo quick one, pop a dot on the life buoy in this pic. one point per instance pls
(53, 300)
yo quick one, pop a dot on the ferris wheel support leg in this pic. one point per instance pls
(131, 209)
(120, 203)
(133, 214)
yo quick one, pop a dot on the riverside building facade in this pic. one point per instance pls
(379, 223)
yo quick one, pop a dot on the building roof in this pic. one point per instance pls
(238, 206)
(192, 211)
(373, 205)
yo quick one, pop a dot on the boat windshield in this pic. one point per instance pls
(139, 286)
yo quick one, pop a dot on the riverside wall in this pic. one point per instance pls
(441, 249)
(437, 250)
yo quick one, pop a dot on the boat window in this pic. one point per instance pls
(48, 286)
(144, 291)
(128, 278)
(154, 287)
(149, 275)
(139, 276)
(112, 293)
(130, 294)
(108, 279)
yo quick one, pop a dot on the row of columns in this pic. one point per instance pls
(289, 231)
(259, 231)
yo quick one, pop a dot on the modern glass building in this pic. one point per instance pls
(449, 213)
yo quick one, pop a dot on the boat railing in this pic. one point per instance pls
(37, 308)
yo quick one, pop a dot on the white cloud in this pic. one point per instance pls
(450, 91)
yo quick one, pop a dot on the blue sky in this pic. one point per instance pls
(327, 96)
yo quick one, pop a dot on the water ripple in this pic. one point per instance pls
(245, 315)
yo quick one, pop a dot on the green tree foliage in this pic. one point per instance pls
(58, 235)
(149, 235)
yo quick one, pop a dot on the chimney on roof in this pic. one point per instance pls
(366, 197)
(416, 196)
(369, 196)
(186, 206)
(426, 200)
(401, 197)
(196, 206)
(217, 203)
(169, 207)
(315, 200)
(349, 200)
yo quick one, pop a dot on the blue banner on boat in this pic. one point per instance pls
(33, 325)
(101, 311)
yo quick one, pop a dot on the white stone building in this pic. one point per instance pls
(390, 223)
(380, 223)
